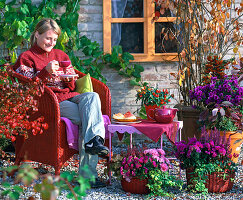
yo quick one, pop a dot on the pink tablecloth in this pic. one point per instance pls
(154, 130)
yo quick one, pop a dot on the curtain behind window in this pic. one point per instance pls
(118, 7)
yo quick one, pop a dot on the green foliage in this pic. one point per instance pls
(27, 174)
(19, 20)
(160, 183)
(200, 175)
(49, 187)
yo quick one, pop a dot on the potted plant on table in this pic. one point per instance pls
(152, 97)
(207, 162)
(143, 171)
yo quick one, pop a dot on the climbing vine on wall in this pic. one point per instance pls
(18, 19)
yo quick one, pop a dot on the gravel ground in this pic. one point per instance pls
(114, 191)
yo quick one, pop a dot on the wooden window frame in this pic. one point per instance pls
(149, 54)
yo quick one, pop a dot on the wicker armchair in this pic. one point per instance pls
(51, 147)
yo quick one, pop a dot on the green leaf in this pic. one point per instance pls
(138, 68)
(6, 185)
(117, 50)
(134, 82)
(2, 4)
(24, 9)
(18, 188)
(14, 195)
(127, 56)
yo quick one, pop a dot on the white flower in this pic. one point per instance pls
(214, 111)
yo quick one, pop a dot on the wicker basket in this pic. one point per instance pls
(215, 182)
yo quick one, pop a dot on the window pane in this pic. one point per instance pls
(129, 36)
(127, 8)
(165, 41)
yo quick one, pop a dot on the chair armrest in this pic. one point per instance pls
(104, 93)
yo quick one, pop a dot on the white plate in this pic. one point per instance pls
(135, 122)
(68, 75)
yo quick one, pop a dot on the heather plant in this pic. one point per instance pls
(210, 148)
(211, 153)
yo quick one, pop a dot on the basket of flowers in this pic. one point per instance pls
(207, 162)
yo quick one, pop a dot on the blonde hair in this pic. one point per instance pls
(44, 25)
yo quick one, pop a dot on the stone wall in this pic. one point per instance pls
(123, 95)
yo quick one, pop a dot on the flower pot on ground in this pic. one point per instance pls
(236, 139)
(138, 164)
(189, 116)
(210, 154)
(135, 186)
(216, 182)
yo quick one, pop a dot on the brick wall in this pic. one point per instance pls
(156, 73)
(123, 95)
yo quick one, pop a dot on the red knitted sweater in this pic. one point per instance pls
(32, 63)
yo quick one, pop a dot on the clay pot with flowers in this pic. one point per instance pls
(144, 171)
(207, 161)
(152, 98)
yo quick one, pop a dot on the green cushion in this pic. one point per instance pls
(84, 84)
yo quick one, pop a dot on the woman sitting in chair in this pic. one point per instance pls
(42, 61)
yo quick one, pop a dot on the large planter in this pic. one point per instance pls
(189, 116)
(135, 186)
(236, 138)
(215, 182)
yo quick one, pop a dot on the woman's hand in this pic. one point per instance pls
(52, 67)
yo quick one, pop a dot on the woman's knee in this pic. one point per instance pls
(92, 95)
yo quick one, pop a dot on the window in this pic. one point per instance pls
(129, 23)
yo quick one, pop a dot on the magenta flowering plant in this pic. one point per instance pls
(211, 148)
(148, 164)
(137, 162)
(221, 103)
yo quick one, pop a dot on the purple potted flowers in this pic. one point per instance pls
(220, 103)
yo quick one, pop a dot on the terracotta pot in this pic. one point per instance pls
(189, 116)
(236, 138)
(135, 186)
(147, 108)
(215, 182)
